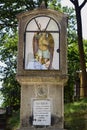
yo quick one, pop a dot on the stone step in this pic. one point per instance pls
(50, 128)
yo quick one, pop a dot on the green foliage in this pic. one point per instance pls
(55, 4)
(73, 67)
(85, 49)
(13, 121)
(8, 46)
(78, 7)
(8, 53)
(73, 60)
(73, 54)
(72, 27)
(76, 107)
(1, 99)
(8, 11)
(76, 115)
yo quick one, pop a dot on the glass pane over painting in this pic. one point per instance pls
(42, 23)
(42, 44)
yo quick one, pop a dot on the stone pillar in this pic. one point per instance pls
(42, 68)
(42, 89)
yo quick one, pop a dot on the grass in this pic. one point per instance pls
(75, 116)
(13, 122)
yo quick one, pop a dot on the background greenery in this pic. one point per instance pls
(75, 116)
(75, 112)
(8, 47)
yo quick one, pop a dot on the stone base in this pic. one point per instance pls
(33, 128)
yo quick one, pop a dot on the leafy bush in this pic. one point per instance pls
(13, 122)
(76, 115)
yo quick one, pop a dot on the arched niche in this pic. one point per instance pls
(42, 44)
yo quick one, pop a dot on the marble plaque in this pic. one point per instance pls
(42, 112)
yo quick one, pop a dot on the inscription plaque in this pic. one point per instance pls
(42, 112)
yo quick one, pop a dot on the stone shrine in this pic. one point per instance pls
(42, 68)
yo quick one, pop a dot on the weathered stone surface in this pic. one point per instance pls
(29, 92)
(62, 21)
(42, 84)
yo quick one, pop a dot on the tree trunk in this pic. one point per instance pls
(81, 49)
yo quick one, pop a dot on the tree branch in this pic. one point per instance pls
(73, 1)
(82, 5)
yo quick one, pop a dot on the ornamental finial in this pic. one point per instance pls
(43, 6)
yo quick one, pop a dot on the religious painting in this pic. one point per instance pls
(42, 44)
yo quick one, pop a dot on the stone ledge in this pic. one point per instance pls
(61, 79)
(49, 128)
